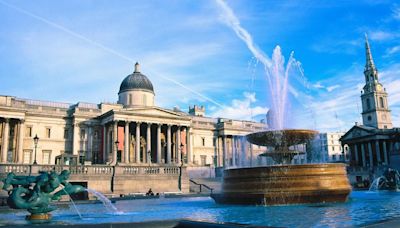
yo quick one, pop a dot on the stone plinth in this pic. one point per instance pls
(285, 184)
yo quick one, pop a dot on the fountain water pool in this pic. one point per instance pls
(363, 208)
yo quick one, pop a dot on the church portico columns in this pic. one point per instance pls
(364, 162)
(378, 152)
(137, 143)
(355, 146)
(385, 157)
(371, 158)
(168, 144)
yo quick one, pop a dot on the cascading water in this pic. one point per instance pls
(73, 204)
(106, 202)
(377, 184)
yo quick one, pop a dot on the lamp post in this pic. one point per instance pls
(35, 140)
(116, 151)
(181, 148)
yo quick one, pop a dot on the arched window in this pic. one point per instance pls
(130, 99)
(381, 102)
(368, 104)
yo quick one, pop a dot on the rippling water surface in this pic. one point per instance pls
(362, 208)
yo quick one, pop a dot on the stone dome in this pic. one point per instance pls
(136, 81)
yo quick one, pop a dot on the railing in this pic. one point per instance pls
(93, 170)
(201, 186)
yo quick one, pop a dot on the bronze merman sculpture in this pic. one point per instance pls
(35, 193)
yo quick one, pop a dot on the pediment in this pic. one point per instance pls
(355, 132)
(154, 112)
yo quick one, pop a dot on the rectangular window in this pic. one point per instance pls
(203, 141)
(334, 157)
(333, 148)
(83, 134)
(27, 159)
(46, 155)
(66, 133)
(28, 131)
(203, 159)
(48, 132)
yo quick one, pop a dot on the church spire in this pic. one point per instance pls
(369, 64)
(370, 71)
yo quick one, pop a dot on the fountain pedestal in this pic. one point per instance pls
(284, 184)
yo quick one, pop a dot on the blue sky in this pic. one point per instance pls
(72, 51)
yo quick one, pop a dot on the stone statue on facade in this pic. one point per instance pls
(34, 193)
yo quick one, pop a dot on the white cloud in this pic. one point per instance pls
(382, 35)
(392, 50)
(241, 109)
(331, 88)
(396, 12)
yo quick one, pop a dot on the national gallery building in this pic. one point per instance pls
(133, 132)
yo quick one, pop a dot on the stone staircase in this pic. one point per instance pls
(205, 185)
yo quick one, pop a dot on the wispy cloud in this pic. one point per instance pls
(380, 35)
(396, 12)
(241, 109)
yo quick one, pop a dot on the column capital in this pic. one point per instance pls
(7, 120)
(126, 123)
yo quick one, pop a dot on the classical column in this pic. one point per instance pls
(189, 145)
(4, 148)
(158, 143)
(137, 143)
(125, 158)
(168, 144)
(224, 157)
(178, 145)
(371, 158)
(385, 157)
(378, 152)
(233, 150)
(251, 154)
(115, 138)
(21, 141)
(75, 139)
(89, 143)
(356, 153)
(364, 162)
(148, 143)
(105, 156)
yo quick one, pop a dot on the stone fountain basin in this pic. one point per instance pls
(286, 137)
(285, 184)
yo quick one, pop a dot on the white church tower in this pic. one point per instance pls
(375, 106)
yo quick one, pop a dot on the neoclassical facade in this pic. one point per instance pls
(374, 144)
(132, 131)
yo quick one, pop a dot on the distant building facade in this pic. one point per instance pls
(131, 131)
(375, 143)
(329, 147)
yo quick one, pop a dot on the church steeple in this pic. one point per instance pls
(370, 72)
(376, 111)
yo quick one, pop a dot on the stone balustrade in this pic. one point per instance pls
(92, 170)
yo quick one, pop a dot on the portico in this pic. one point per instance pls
(160, 137)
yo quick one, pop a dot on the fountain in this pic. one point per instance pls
(390, 180)
(284, 183)
(35, 193)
